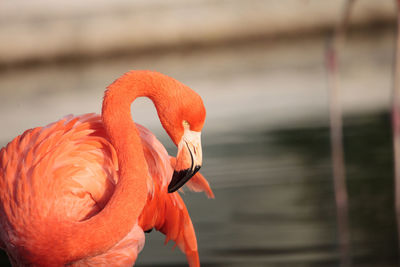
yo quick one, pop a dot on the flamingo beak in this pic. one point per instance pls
(188, 160)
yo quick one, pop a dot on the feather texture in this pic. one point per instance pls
(78, 166)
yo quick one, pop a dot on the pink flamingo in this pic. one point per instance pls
(82, 191)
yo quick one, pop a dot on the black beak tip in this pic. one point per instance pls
(196, 169)
(171, 189)
(179, 178)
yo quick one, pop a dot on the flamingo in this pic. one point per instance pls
(82, 191)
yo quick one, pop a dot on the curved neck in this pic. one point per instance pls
(120, 214)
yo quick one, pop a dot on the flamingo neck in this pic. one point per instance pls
(109, 226)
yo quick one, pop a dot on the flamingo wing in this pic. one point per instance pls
(65, 171)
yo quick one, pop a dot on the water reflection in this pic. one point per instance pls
(367, 141)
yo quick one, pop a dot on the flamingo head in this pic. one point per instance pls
(183, 120)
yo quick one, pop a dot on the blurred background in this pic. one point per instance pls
(259, 65)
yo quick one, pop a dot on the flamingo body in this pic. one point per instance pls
(67, 172)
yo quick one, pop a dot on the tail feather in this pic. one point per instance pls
(199, 184)
(167, 213)
(178, 227)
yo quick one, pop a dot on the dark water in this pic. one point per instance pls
(274, 202)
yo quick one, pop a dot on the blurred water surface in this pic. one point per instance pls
(265, 145)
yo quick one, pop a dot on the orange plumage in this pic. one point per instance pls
(73, 175)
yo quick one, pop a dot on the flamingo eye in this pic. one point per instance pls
(186, 124)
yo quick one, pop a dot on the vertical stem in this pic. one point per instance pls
(396, 123)
(337, 155)
(336, 135)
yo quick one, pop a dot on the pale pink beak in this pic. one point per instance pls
(188, 159)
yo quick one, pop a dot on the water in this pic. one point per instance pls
(279, 209)
(265, 146)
